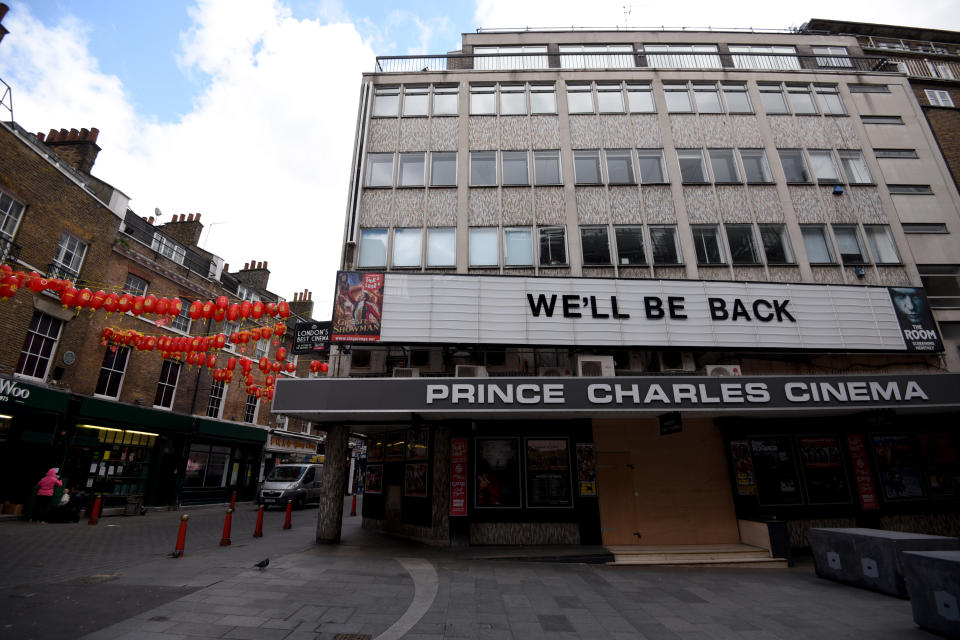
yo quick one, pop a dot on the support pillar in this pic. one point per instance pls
(330, 513)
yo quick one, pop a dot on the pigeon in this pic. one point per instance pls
(262, 564)
(176, 554)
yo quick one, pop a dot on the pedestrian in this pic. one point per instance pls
(44, 494)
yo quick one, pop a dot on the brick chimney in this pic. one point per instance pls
(78, 148)
(302, 304)
(254, 275)
(185, 228)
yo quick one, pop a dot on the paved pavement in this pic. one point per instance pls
(116, 581)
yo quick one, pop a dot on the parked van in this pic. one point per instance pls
(297, 482)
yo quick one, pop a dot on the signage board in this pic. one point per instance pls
(458, 476)
(670, 423)
(311, 337)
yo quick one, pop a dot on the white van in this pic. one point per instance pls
(297, 482)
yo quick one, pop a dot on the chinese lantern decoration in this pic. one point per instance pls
(233, 312)
(219, 315)
(283, 309)
(126, 301)
(248, 379)
(211, 361)
(208, 308)
(258, 392)
(269, 394)
(97, 300)
(176, 305)
(149, 303)
(314, 366)
(222, 302)
(67, 297)
(281, 353)
(279, 329)
(266, 332)
(83, 298)
(270, 380)
(257, 310)
(275, 367)
(264, 364)
(111, 302)
(219, 341)
(270, 309)
(162, 305)
(196, 310)
(231, 363)
(324, 367)
(149, 343)
(245, 308)
(246, 364)
(137, 307)
(36, 282)
(291, 367)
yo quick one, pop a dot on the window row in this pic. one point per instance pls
(418, 100)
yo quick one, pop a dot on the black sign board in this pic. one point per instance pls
(670, 423)
(311, 337)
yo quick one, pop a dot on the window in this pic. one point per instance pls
(824, 166)
(206, 466)
(868, 88)
(771, 95)
(619, 166)
(597, 56)
(484, 248)
(881, 119)
(518, 247)
(816, 244)
(755, 165)
(412, 170)
(910, 189)
(386, 101)
(183, 321)
(724, 166)
(416, 100)
(215, 402)
(543, 98)
(586, 167)
(707, 97)
(924, 227)
(640, 97)
(250, 408)
(515, 168)
(736, 97)
(678, 98)
(441, 247)
(829, 98)
(849, 244)
(801, 100)
(776, 244)
(513, 99)
(706, 241)
(69, 255)
(855, 167)
(692, 168)
(882, 246)
(510, 58)
(167, 247)
(665, 244)
(895, 153)
(446, 100)
(10, 213)
(838, 56)
(406, 247)
(596, 245)
(650, 164)
(167, 385)
(443, 168)
(373, 248)
(939, 98)
(682, 56)
(771, 57)
(483, 168)
(610, 97)
(39, 345)
(630, 245)
(743, 246)
(794, 167)
(579, 98)
(553, 246)
(135, 286)
(111, 371)
(942, 282)
(380, 170)
(483, 99)
(546, 167)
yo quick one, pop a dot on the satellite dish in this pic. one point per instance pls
(156, 212)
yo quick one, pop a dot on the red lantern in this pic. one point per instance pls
(83, 298)
(219, 315)
(250, 389)
(249, 380)
(192, 357)
(231, 363)
(281, 353)
(258, 392)
(211, 361)
(208, 308)
(5, 270)
(219, 341)
(176, 306)
(67, 297)
(150, 303)
(246, 364)
(107, 333)
(275, 367)
(270, 380)
(269, 394)
(97, 300)
(196, 310)
(37, 283)
(264, 364)
(279, 329)
(314, 366)
(9, 287)
(245, 309)
(233, 312)
(162, 305)
(126, 301)
(111, 302)
(266, 332)
(244, 336)
(228, 377)
(257, 310)
(222, 302)
(324, 367)
(270, 309)
(291, 367)
(149, 343)
(283, 309)
(137, 307)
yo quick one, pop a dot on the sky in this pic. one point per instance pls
(245, 110)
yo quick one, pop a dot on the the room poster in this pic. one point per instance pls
(498, 473)
(548, 473)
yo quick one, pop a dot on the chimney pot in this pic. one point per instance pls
(40, 136)
(190, 218)
(264, 264)
(150, 219)
(253, 264)
(63, 134)
(52, 136)
(226, 267)
(74, 135)
(94, 132)
(197, 218)
(310, 295)
(183, 217)
(84, 133)
(246, 265)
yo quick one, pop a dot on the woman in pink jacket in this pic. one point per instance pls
(44, 494)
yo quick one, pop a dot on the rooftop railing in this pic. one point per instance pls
(140, 229)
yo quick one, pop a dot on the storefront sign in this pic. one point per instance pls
(458, 476)
(16, 393)
(861, 471)
(311, 337)
(290, 445)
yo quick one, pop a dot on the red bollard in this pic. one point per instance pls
(95, 511)
(286, 521)
(181, 537)
(225, 540)
(353, 506)
(258, 530)
(233, 501)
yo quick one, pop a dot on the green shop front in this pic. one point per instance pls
(223, 457)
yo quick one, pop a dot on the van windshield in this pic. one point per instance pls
(285, 474)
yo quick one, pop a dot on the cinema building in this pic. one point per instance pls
(644, 288)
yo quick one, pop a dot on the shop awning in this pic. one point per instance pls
(118, 414)
(231, 431)
(17, 394)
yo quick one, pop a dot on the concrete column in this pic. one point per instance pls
(330, 513)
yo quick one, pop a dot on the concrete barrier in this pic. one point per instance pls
(933, 582)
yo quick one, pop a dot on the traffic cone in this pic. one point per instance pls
(353, 506)
(286, 520)
(95, 511)
(258, 530)
(233, 501)
(181, 537)
(227, 522)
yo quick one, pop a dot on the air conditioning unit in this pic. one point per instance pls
(470, 371)
(593, 366)
(553, 372)
(406, 372)
(723, 370)
(676, 361)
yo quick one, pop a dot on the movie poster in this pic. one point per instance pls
(415, 480)
(357, 304)
(743, 468)
(939, 454)
(587, 469)
(861, 472)
(776, 471)
(375, 448)
(418, 443)
(897, 466)
(548, 473)
(916, 321)
(374, 479)
(498, 473)
(823, 470)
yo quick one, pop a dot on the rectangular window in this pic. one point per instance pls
(678, 98)
(446, 100)
(546, 167)
(755, 166)
(776, 244)
(543, 98)
(743, 245)
(794, 166)
(484, 247)
(868, 88)
(651, 166)
(135, 286)
(610, 97)
(510, 58)
(380, 170)
(483, 99)
(942, 282)
(215, 402)
(924, 227)
(553, 246)
(849, 244)
(910, 189)
(513, 99)
(665, 245)
(910, 154)
(183, 320)
(483, 168)
(938, 98)
(597, 56)
(406, 247)
(770, 57)
(620, 166)
(832, 56)
(640, 97)
(881, 119)
(855, 167)
(829, 97)
(707, 97)
(167, 247)
(724, 166)
(580, 98)
(39, 346)
(167, 385)
(373, 248)
(736, 96)
(416, 100)
(386, 102)
(596, 245)
(630, 246)
(250, 408)
(442, 247)
(586, 167)
(518, 247)
(882, 246)
(706, 241)
(692, 168)
(111, 371)
(824, 166)
(443, 168)
(515, 168)
(682, 56)
(801, 100)
(69, 256)
(771, 95)
(818, 247)
(10, 213)
(412, 170)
